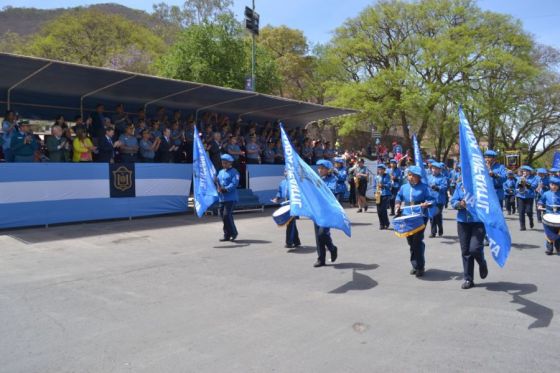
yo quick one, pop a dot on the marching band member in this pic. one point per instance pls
(340, 173)
(550, 203)
(415, 193)
(323, 234)
(227, 181)
(510, 185)
(525, 193)
(497, 172)
(438, 184)
(292, 234)
(554, 171)
(543, 181)
(471, 238)
(361, 181)
(382, 188)
(454, 177)
(396, 175)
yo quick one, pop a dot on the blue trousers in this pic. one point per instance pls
(417, 249)
(382, 211)
(471, 239)
(525, 207)
(324, 242)
(292, 234)
(226, 212)
(437, 221)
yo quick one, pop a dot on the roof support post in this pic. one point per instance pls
(9, 93)
(101, 89)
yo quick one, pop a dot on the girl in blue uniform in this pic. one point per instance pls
(323, 234)
(411, 194)
(471, 238)
(339, 171)
(550, 204)
(228, 180)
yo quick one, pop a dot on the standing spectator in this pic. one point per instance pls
(83, 147)
(148, 148)
(106, 147)
(98, 122)
(318, 153)
(58, 146)
(253, 150)
(234, 150)
(279, 153)
(215, 150)
(23, 144)
(166, 147)
(269, 154)
(120, 120)
(189, 138)
(307, 151)
(156, 131)
(9, 129)
(177, 139)
(328, 152)
(128, 145)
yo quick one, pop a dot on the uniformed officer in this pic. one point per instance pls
(543, 187)
(382, 185)
(510, 185)
(339, 171)
(497, 172)
(323, 234)
(292, 234)
(23, 144)
(525, 193)
(415, 193)
(396, 175)
(269, 153)
(128, 145)
(438, 185)
(471, 238)
(228, 180)
(550, 204)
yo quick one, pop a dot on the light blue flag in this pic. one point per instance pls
(418, 159)
(482, 200)
(205, 192)
(309, 196)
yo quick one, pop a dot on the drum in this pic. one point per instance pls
(282, 216)
(408, 225)
(552, 220)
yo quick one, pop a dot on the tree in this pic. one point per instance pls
(97, 39)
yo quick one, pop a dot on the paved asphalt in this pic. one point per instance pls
(163, 295)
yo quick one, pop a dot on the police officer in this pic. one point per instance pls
(543, 181)
(23, 144)
(550, 204)
(323, 234)
(339, 171)
(415, 193)
(525, 193)
(228, 180)
(382, 185)
(292, 234)
(438, 185)
(510, 185)
(497, 172)
(471, 238)
(396, 175)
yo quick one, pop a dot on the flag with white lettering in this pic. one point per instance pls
(418, 159)
(309, 196)
(205, 192)
(482, 200)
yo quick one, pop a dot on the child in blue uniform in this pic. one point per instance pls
(525, 193)
(396, 175)
(471, 238)
(438, 184)
(510, 185)
(415, 193)
(323, 234)
(550, 204)
(228, 180)
(382, 185)
(339, 171)
(542, 187)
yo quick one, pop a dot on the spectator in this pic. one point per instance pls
(234, 150)
(328, 152)
(140, 117)
(215, 150)
(156, 131)
(166, 148)
(98, 122)
(106, 147)
(128, 145)
(279, 153)
(139, 128)
(307, 151)
(23, 144)
(318, 151)
(58, 146)
(148, 148)
(9, 129)
(177, 139)
(83, 147)
(269, 154)
(120, 120)
(253, 150)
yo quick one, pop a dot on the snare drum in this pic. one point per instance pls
(282, 216)
(408, 225)
(552, 220)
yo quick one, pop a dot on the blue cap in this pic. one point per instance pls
(339, 160)
(431, 160)
(393, 161)
(490, 153)
(542, 171)
(381, 165)
(226, 157)
(555, 180)
(324, 163)
(527, 168)
(437, 165)
(415, 170)
(554, 169)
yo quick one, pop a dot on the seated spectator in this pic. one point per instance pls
(106, 147)
(83, 147)
(166, 151)
(269, 154)
(23, 144)
(253, 150)
(9, 129)
(128, 145)
(148, 148)
(58, 146)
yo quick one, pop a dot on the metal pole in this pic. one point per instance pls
(253, 83)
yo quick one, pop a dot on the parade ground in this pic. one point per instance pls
(163, 295)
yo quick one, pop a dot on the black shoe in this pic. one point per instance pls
(531, 225)
(224, 239)
(483, 270)
(548, 252)
(432, 235)
(440, 234)
(318, 263)
(365, 208)
(413, 271)
(467, 285)
(289, 246)
(522, 229)
(297, 244)
(419, 273)
(334, 254)
(392, 214)
(382, 227)
(359, 210)
(233, 238)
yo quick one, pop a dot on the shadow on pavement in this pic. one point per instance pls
(359, 282)
(303, 250)
(241, 243)
(542, 314)
(359, 224)
(435, 274)
(524, 246)
(358, 266)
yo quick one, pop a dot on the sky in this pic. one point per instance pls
(318, 18)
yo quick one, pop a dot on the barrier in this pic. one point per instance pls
(49, 193)
(264, 180)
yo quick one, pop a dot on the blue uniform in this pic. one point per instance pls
(323, 234)
(551, 201)
(542, 187)
(410, 195)
(471, 237)
(268, 155)
(438, 185)
(228, 180)
(340, 189)
(500, 176)
(525, 194)
(382, 183)
(510, 186)
(292, 234)
(396, 175)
